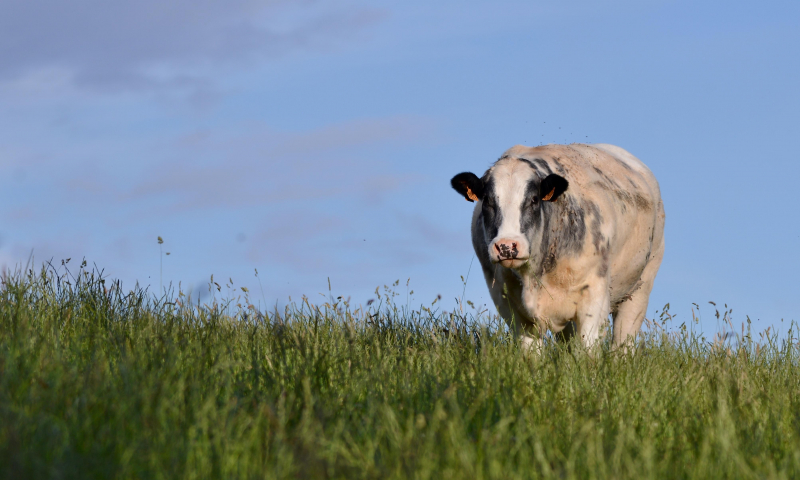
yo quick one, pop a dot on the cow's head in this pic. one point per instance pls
(514, 195)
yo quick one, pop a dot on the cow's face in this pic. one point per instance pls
(514, 197)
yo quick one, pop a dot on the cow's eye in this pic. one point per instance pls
(535, 200)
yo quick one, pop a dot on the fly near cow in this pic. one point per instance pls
(566, 235)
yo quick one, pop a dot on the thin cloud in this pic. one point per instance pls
(426, 230)
(296, 239)
(151, 44)
(264, 166)
(315, 242)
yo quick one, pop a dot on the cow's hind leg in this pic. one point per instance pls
(629, 314)
(592, 314)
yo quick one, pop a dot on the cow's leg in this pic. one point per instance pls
(593, 313)
(500, 289)
(531, 343)
(530, 340)
(630, 313)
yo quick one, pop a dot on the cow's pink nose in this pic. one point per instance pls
(506, 249)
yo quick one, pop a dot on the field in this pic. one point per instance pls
(96, 382)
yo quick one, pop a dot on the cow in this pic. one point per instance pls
(566, 235)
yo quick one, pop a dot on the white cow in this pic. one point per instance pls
(570, 233)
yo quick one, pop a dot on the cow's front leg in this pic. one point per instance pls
(503, 291)
(592, 314)
(531, 345)
(530, 341)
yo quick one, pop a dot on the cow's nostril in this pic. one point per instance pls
(506, 250)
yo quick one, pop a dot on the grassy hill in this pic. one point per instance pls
(96, 382)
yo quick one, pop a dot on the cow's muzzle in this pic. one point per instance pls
(508, 253)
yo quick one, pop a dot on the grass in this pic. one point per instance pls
(100, 383)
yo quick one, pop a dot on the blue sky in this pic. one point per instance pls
(316, 139)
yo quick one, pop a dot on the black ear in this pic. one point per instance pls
(552, 187)
(469, 185)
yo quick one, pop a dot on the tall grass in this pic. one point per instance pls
(96, 382)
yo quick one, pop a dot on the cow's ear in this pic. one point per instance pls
(469, 185)
(552, 187)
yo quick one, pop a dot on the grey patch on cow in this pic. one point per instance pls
(543, 165)
(597, 221)
(641, 202)
(530, 164)
(603, 270)
(624, 196)
(623, 163)
(556, 161)
(563, 230)
(530, 212)
(492, 216)
(481, 248)
(572, 234)
(605, 186)
(610, 183)
(479, 242)
(650, 246)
